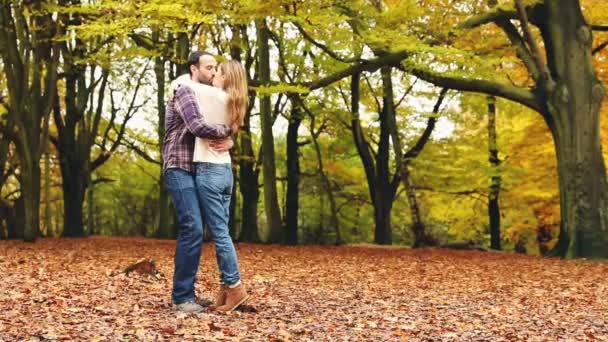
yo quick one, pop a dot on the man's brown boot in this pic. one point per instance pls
(234, 297)
(220, 297)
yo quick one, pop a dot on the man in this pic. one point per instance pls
(182, 123)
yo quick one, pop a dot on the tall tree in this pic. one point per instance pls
(249, 167)
(271, 202)
(76, 133)
(568, 95)
(327, 185)
(80, 128)
(30, 56)
(381, 185)
(165, 228)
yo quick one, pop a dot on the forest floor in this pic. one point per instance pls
(59, 289)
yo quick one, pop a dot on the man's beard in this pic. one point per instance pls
(205, 80)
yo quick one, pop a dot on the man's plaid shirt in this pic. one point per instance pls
(183, 122)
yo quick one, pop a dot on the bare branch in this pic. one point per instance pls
(406, 93)
(371, 89)
(599, 48)
(325, 48)
(430, 126)
(102, 180)
(140, 152)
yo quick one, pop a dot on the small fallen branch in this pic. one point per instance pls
(143, 267)
(470, 246)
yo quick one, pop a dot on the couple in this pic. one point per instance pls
(205, 108)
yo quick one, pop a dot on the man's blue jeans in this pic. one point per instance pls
(214, 185)
(180, 184)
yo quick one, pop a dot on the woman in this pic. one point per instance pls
(224, 103)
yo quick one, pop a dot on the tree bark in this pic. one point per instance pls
(493, 205)
(91, 209)
(30, 188)
(48, 220)
(293, 176)
(165, 229)
(418, 227)
(73, 200)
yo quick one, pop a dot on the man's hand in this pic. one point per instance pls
(221, 145)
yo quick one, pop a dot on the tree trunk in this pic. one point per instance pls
(271, 202)
(73, 198)
(13, 216)
(249, 187)
(333, 218)
(421, 238)
(293, 176)
(383, 204)
(573, 116)
(418, 227)
(182, 50)
(493, 206)
(91, 211)
(582, 183)
(30, 190)
(165, 227)
(48, 220)
(16, 230)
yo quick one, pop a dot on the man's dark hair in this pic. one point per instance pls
(194, 58)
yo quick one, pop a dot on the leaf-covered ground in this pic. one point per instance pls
(62, 290)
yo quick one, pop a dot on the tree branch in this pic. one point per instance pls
(517, 94)
(488, 17)
(323, 47)
(520, 47)
(102, 180)
(417, 148)
(599, 48)
(599, 28)
(132, 146)
(523, 20)
(369, 66)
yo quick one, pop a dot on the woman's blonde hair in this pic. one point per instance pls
(235, 84)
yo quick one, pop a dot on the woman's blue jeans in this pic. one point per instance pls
(214, 188)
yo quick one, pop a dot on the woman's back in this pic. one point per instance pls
(212, 102)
